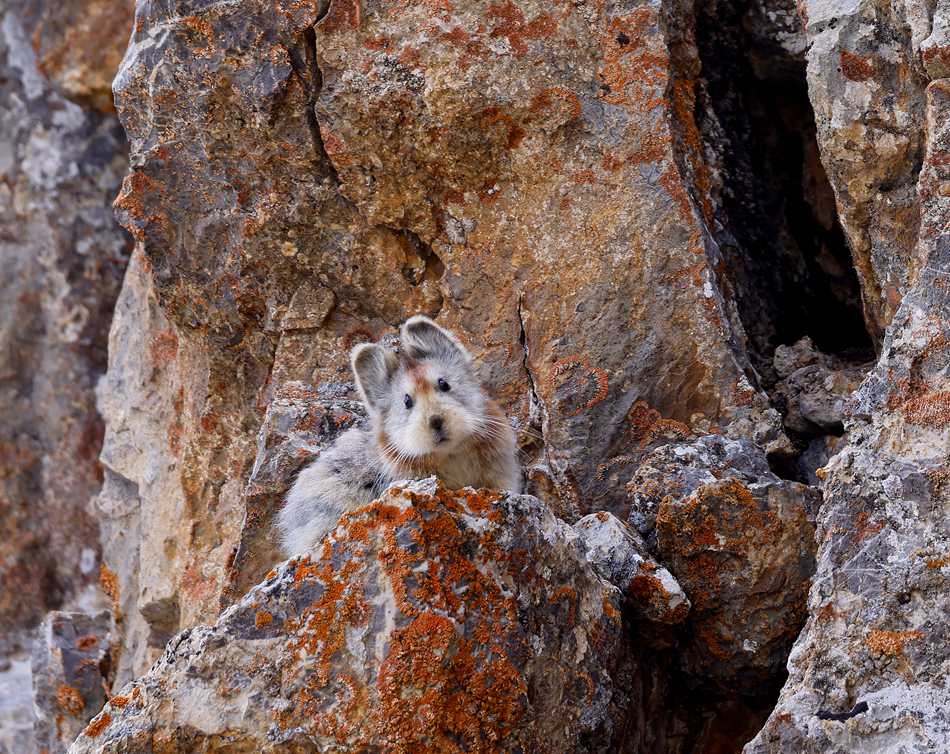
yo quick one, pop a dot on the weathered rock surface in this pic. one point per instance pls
(430, 621)
(264, 257)
(740, 542)
(814, 388)
(869, 672)
(744, 555)
(63, 260)
(70, 669)
(619, 555)
(678, 469)
(623, 209)
(866, 86)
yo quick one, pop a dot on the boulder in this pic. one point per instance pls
(428, 620)
(70, 676)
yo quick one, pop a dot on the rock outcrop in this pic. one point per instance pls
(431, 621)
(869, 672)
(71, 676)
(64, 258)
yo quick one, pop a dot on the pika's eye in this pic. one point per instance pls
(443, 385)
(407, 399)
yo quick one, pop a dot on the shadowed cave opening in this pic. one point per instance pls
(786, 256)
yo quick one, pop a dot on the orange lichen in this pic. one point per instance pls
(85, 643)
(70, 700)
(570, 596)
(683, 100)
(515, 133)
(510, 23)
(929, 409)
(341, 14)
(711, 640)
(544, 100)
(862, 529)
(202, 27)
(890, 643)
(635, 70)
(648, 425)
(438, 696)
(647, 589)
(262, 619)
(856, 67)
(109, 582)
(937, 54)
(935, 564)
(98, 724)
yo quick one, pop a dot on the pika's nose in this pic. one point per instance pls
(436, 423)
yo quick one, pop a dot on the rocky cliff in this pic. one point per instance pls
(701, 253)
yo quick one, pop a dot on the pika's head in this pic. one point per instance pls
(426, 400)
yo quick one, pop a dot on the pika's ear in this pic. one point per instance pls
(421, 337)
(373, 367)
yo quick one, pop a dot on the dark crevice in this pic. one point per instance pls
(523, 340)
(433, 267)
(316, 85)
(859, 709)
(784, 263)
(307, 69)
(534, 446)
(786, 258)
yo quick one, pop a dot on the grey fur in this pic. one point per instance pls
(472, 446)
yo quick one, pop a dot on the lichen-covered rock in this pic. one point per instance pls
(63, 258)
(545, 156)
(618, 554)
(935, 49)
(79, 44)
(677, 469)
(70, 667)
(745, 555)
(298, 187)
(431, 621)
(869, 672)
(866, 86)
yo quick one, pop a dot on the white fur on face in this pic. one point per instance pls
(410, 430)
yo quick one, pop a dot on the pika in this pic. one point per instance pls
(428, 416)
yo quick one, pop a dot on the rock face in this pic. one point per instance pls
(70, 668)
(869, 672)
(61, 161)
(741, 544)
(64, 258)
(745, 555)
(675, 236)
(430, 621)
(866, 86)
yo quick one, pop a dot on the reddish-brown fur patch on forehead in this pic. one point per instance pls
(418, 374)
